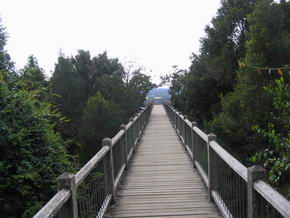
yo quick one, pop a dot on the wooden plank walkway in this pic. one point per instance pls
(161, 181)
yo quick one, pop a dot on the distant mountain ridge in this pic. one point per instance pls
(159, 92)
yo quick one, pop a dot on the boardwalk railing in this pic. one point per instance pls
(237, 191)
(90, 191)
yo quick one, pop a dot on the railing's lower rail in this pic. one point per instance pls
(90, 191)
(238, 191)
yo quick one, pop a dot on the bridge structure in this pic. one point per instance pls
(162, 165)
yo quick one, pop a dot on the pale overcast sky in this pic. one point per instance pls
(156, 34)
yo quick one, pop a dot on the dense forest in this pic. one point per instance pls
(238, 85)
(52, 125)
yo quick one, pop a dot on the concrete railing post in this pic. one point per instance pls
(211, 179)
(68, 181)
(254, 173)
(193, 124)
(109, 169)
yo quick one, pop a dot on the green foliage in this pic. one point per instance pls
(224, 42)
(239, 108)
(5, 60)
(176, 81)
(212, 72)
(112, 88)
(268, 41)
(33, 75)
(136, 91)
(78, 79)
(32, 154)
(107, 66)
(45, 124)
(231, 101)
(275, 156)
(100, 119)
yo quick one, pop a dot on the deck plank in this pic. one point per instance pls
(160, 181)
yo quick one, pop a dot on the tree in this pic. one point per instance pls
(275, 155)
(213, 72)
(112, 88)
(107, 66)
(5, 60)
(31, 152)
(137, 90)
(34, 79)
(101, 118)
(78, 78)
(224, 42)
(176, 82)
(249, 104)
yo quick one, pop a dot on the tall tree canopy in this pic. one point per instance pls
(74, 83)
(5, 60)
(49, 126)
(32, 154)
(212, 72)
(226, 92)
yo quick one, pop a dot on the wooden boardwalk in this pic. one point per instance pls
(161, 181)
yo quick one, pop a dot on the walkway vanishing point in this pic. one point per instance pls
(160, 181)
(162, 165)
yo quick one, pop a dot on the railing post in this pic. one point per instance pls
(142, 118)
(254, 173)
(211, 137)
(68, 181)
(131, 119)
(139, 123)
(137, 126)
(193, 124)
(175, 118)
(177, 122)
(180, 126)
(185, 117)
(172, 112)
(125, 147)
(109, 169)
(180, 123)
